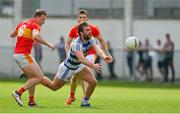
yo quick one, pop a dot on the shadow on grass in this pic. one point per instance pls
(117, 83)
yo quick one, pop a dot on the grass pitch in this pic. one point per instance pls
(109, 97)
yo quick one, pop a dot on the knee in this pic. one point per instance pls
(54, 88)
(93, 83)
(39, 79)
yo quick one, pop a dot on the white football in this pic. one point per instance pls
(132, 43)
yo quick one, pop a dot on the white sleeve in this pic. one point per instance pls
(35, 32)
(93, 41)
(76, 47)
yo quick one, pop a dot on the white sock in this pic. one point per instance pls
(85, 100)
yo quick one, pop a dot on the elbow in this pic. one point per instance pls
(67, 45)
(35, 37)
(12, 36)
(80, 60)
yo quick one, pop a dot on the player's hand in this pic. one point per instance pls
(110, 56)
(108, 59)
(52, 46)
(97, 67)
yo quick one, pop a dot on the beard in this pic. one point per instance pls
(87, 37)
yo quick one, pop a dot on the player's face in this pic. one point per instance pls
(87, 33)
(82, 17)
(41, 19)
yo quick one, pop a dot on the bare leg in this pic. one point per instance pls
(35, 75)
(73, 84)
(31, 91)
(53, 85)
(57, 83)
(31, 101)
(47, 82)
(84, 86)
(87, 76)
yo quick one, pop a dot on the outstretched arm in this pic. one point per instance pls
(13, 34)
(39, 39)
(101, 54)
(104, 45)
(84, 61)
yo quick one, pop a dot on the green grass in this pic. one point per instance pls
(109, 97)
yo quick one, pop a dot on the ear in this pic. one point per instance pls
(81, 33)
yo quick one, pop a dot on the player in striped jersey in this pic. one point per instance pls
(76, 63)
(91, 54)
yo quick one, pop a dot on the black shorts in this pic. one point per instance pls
(147, 64)
(160, 64)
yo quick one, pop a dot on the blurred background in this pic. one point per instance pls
(116, 19)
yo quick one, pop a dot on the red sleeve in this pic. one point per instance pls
(72, 33)
(35, 26)
(17, 27)
(95, 31)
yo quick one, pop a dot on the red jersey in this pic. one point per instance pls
(24, 38)
(94, 30)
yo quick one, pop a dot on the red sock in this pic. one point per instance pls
(72, 94)
(21, 90)
(31, 99)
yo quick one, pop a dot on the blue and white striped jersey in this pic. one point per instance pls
(72, 61)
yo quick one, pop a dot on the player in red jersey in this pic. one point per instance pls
(27, 32)
(83, 16)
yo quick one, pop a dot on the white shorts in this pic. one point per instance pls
(65, 73)
(91, 57)
(23, 59)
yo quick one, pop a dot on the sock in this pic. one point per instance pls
(72, 94)
(85, 100)
(21, 91)
(31, 99)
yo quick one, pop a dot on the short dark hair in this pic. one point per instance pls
(81, 26)
(39, 12)
(82, 11)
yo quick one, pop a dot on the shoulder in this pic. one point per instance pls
(73, 28)
(95, 30)
(73, 32)
(35, 25)
(76, 45)
(31, 24)
(92, 40)
(76, 42)
(94, 27)
(22, 23)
